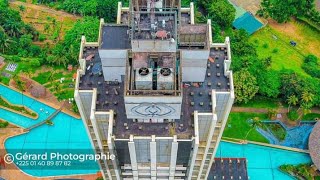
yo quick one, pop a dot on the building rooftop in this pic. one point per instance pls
(154, 25)
(197, 96)
(185, 18)
(115, 37)
(229, 168)
(193, 36)
(111, 97)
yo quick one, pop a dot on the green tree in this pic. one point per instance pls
(292, 100)
(5, 41)
(221, 12)
(269, 83)
(307, 98)
(245, 86)
(66, 52)
(283, 10)
(35, 63)
(255, 123)
(13, 28)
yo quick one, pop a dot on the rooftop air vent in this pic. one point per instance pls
(165, 71)
(143, 71)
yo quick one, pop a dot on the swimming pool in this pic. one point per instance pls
(65, 136)
(18, 98)
(263, 162)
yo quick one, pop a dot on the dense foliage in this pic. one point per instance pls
(219, 11)
(106, 9)
(300, 171)
(15, 36)
(245, 86)
(312, 66)
(67, 51)
(283, 10)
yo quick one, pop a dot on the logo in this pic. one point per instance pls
(8, 158)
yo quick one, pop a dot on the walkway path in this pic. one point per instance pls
(45, 121)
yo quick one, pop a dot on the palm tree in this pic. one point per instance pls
(5, 41)
(307, 97)
(12, 28)
(256, 122)
(306, 102)
(292, 100)
(306, 108)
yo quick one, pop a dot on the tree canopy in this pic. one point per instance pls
(221, 12)
(245, 86)
(283, 10)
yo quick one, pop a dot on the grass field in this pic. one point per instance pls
(238, 127)
(50, 78)
(310, 116)
(274, 40)
(261, 102)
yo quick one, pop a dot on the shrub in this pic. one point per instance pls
(16, 58)
(275, 50)
(35, 63)
(4, 124)
(42, 37)
(311, 66)
(293, 115)
(265, 45)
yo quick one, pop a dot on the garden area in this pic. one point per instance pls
(274, 40)
(301, 171)
(58, 81)
(239, 127)
(276, 129)
(39, 43)
(20, 109)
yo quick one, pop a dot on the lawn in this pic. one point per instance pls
(277, 130)
(273, 40)
(238, 127)
(286, 57)
(23, 66)
(261, 102)
(310, 116)
(51, 80)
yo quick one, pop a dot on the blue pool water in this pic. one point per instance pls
(263, 162)
(15, 97)
(296, 137)
(66, 135)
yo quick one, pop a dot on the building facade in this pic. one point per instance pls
(155, 91)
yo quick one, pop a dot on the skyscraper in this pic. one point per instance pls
(155, 92)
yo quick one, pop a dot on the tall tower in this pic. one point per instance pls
(155, 91)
